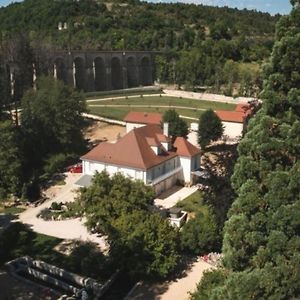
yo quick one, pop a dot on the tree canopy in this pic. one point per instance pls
(196, 41)
(177, 126)
(210, 128)
(51, 121)
(10, 160)
(142, 242)
(261, 237)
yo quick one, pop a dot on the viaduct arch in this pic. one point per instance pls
(103, 70)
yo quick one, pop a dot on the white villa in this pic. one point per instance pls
(146, 153)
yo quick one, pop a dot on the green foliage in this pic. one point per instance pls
(144, 244)
(10, 160)
(177, 126)
(55, 163)
(209, 281)
(210, 128)
(140, 241)
(51, 119)
(200, 234)
(108, 198)
(195, 40)
(261, 237)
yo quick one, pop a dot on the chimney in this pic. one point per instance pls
(166, 129)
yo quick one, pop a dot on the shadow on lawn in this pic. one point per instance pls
(85, 258)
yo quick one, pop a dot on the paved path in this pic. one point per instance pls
(185, 95)
(206, 96)
(168, 200)
(178, 289)
(66, 229)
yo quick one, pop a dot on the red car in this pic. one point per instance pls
(77, 168)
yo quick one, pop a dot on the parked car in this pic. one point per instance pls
(77, 168)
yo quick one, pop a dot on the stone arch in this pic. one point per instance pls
(132, 78)
(146, 73)
(79, 73)
(100, 74)
(116, 74)
(60, 70)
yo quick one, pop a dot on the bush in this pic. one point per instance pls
(210, 280)
(200, 235)
(56, 206)
(45, 214)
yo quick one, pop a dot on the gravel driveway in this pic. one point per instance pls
(65, 229)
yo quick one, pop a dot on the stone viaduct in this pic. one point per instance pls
(103, 70)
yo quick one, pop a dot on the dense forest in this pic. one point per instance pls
(221, 48)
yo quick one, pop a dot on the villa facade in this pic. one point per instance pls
(146, 153)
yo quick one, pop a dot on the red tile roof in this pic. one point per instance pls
(133, 150)
(231, 116)
(143, 118)
(242, 110)
(185, 148)
(242, 107)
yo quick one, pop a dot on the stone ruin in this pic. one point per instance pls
(60, 281)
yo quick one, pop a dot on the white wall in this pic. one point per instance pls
(130, 126)
(90, 168)
(186, 166)
(233, 130)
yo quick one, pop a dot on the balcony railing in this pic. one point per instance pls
(164, 176)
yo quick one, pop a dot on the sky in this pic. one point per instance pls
(271, 6)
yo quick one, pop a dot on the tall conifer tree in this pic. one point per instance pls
(262, 236)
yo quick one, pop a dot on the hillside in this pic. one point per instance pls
(200, 45)
(134, 25)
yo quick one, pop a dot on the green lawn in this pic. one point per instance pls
(169, 101)
(119, 113)
(11, 210)
(194, 203)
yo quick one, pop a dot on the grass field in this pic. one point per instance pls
(165, 100)
(120, 112)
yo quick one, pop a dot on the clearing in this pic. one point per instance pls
(101, 131)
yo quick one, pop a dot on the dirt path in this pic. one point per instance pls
(101, 131)
(178, 289)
